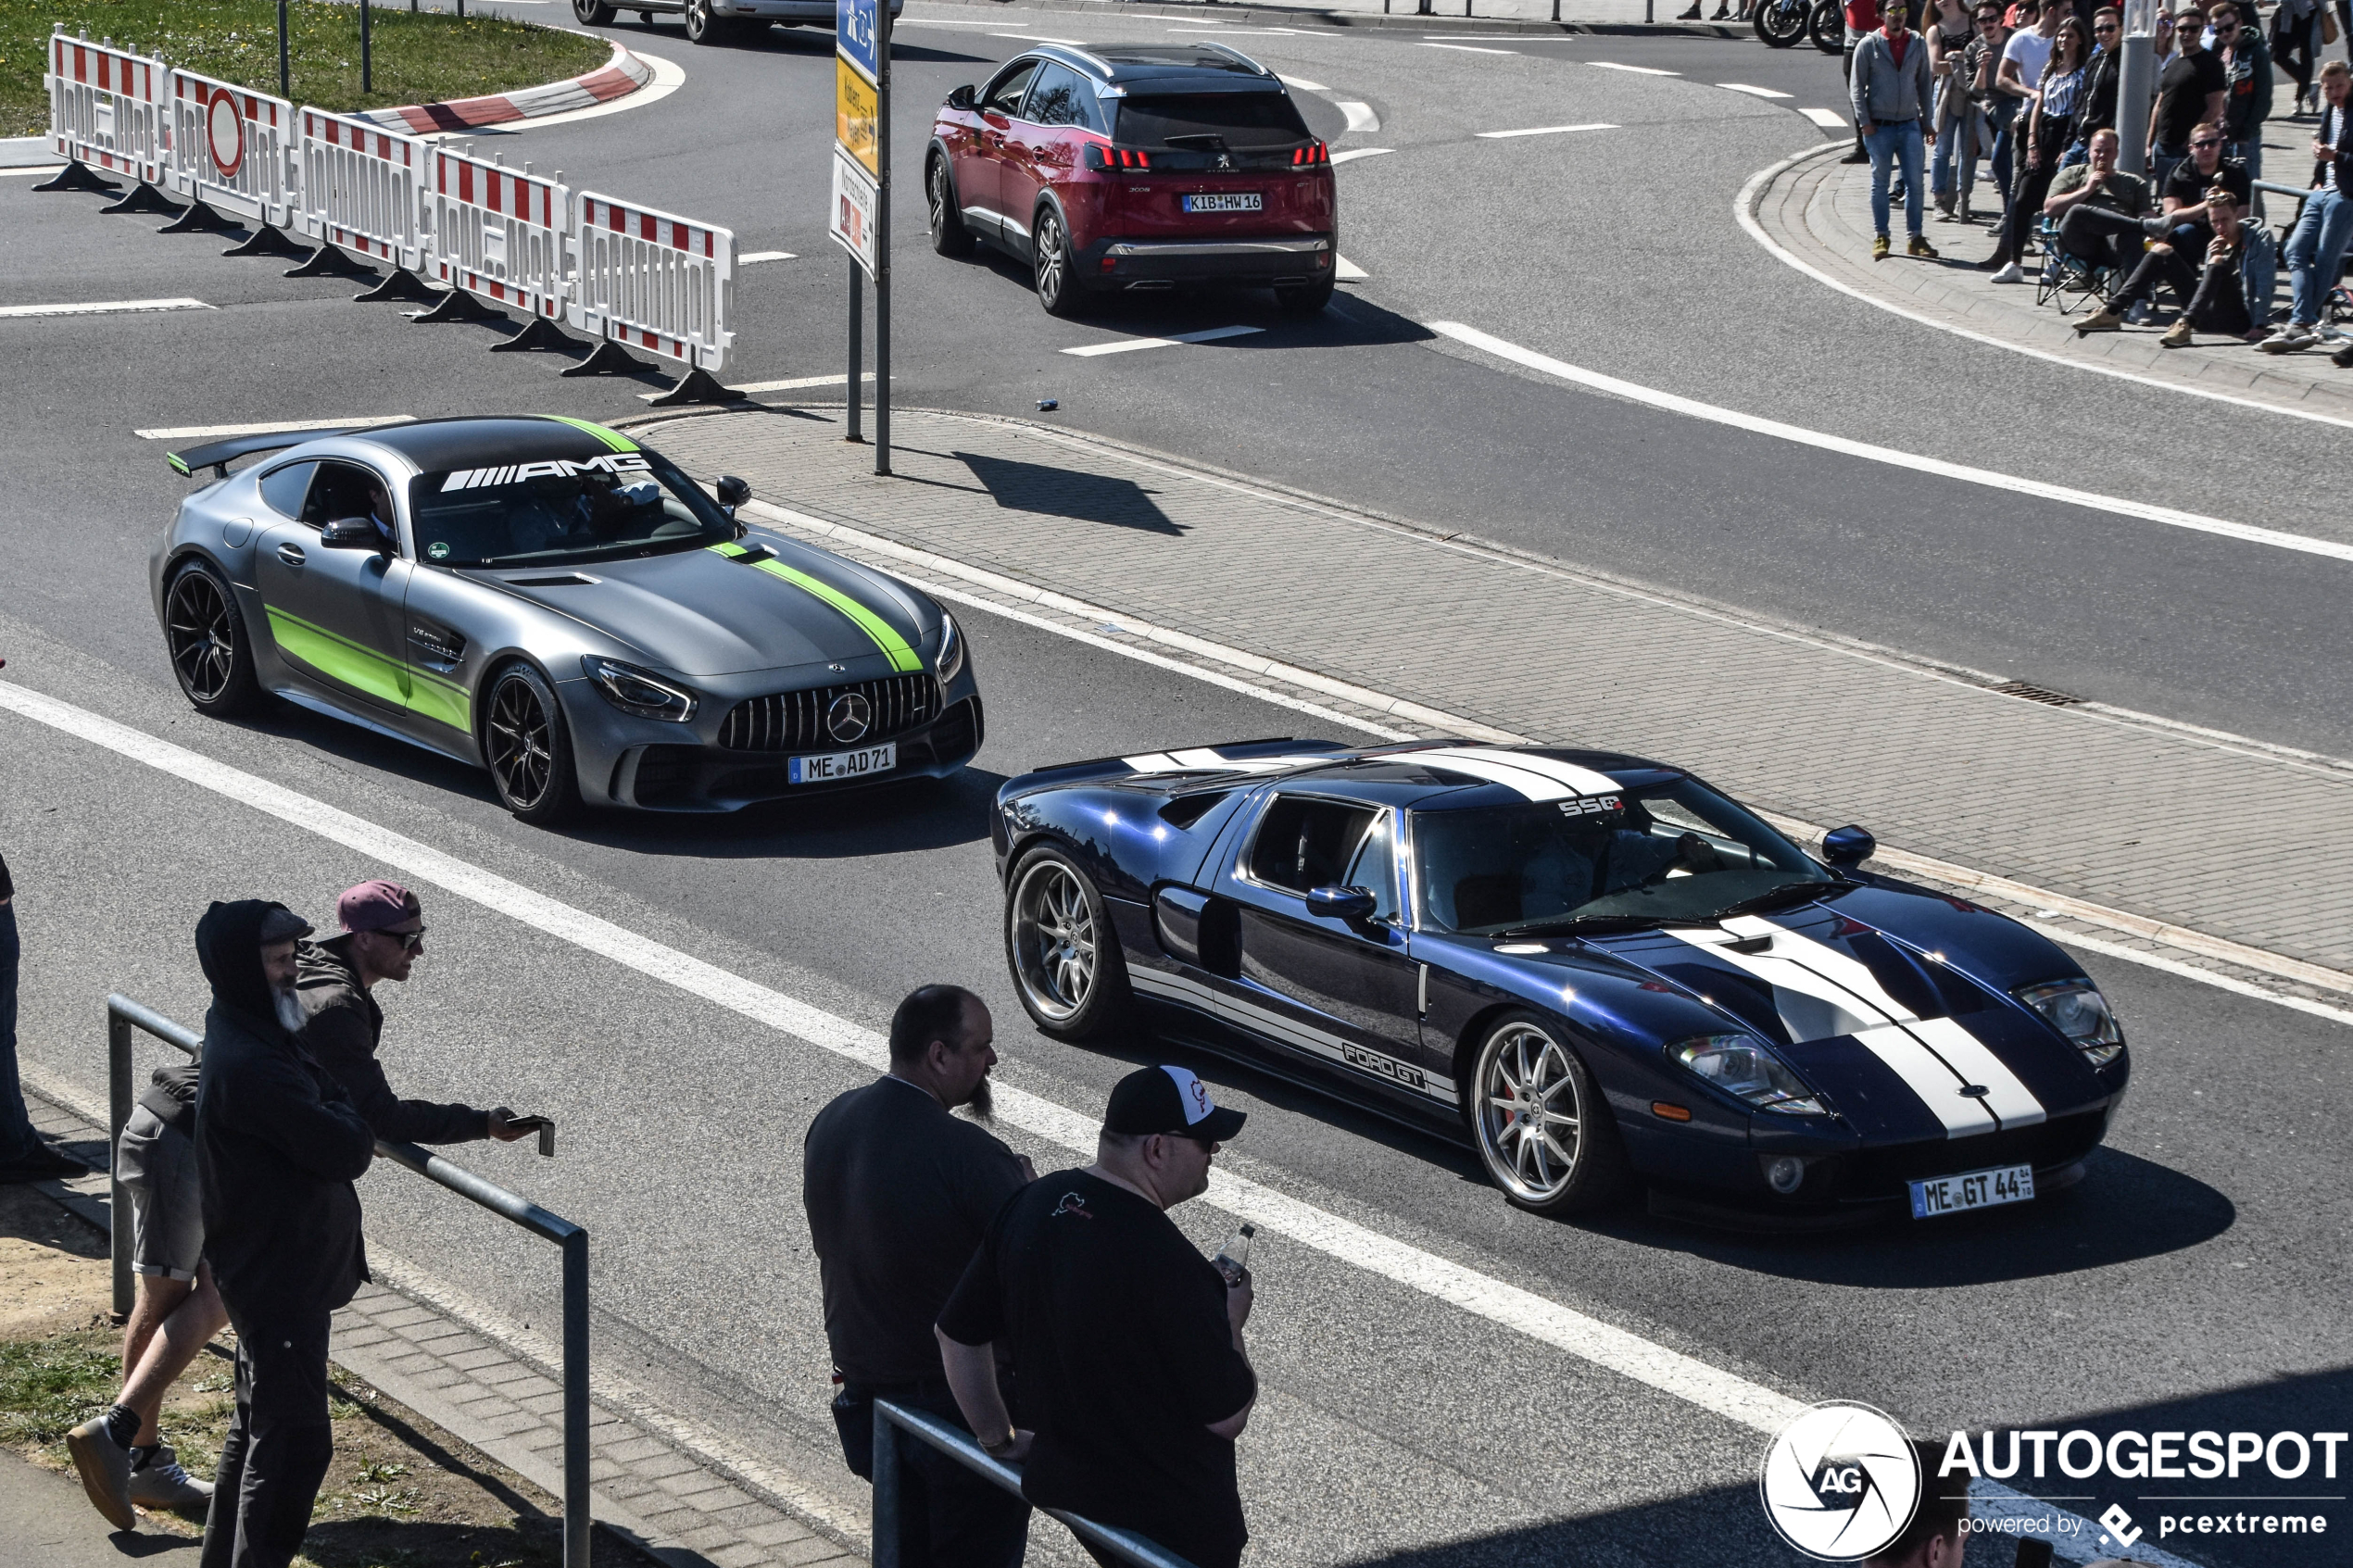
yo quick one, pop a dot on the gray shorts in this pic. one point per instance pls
(159, 1169)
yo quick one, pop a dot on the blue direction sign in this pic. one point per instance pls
(856, 34)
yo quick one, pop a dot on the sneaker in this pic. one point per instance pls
(2289, 338)
(104, 1465)
(2177, 335)
(2343, 358)
(160, 1483)
(2103, 321)
(2013, 273)
(44, 1164)
(1880, 247)
(1921, 248)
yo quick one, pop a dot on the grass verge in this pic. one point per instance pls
(420, 58)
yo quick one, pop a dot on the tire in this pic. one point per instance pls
(704, 28)
(1304, 299)
(1827, 27)
(1580, 1166)
(1779, 27)
(1055, 272)
(1063, 953)
(205, 635)
(948, 236)
(527, 746)
(592, 13)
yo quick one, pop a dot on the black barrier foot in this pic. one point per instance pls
(264, 241)
(77, 176)
(455, 304)
(143, 197)
(696, 386)
(610, 360)
(197, 219)
(403, 286)
(327, 261)
(538, 333)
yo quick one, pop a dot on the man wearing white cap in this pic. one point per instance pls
(1126, 1342)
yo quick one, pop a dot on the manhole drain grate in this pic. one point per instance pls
(2033, 693)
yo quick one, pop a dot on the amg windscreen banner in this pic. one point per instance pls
(850, 219)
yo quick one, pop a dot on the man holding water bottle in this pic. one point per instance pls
(1127, 1342)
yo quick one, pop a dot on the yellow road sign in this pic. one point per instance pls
(855, 114)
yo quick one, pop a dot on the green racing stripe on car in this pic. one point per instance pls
(901, 654)
(387, 680)
(611, 438)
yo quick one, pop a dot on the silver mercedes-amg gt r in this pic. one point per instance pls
(546, 598)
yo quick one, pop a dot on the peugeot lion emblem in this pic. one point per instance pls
(850, 718)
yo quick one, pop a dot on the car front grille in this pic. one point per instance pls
(796, 721)
(2063, 1139)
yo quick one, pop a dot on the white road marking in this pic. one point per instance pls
(1360, 116)
(1347, 271)
(1041, 38)
(751, 255)
(1226, 30)
(1469, 49)
(1692, 408)
(36, 168)
(1638, 71)
(790, 384)
(1303, 84)
(1541, 130)
(1752, 92)
(284, 427)
(1829, 119)
(1742, 203)
(1130, 344)
(1709, 1387)
(1352, 154)
(106, 307)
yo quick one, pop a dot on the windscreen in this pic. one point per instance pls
(1671, 852)
(559, 511)
(1240, 121)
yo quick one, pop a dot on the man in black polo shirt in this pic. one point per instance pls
(898, 1193)
(1127, 1342)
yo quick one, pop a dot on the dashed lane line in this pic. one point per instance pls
(1041, 38)
(1469, 48)
(36, 168)
(751, 255)
(1130, 344)
(1305, 86)
(1638, 71)
(106, 307)
(1543, 131)
(283, 427)
(1752, 92)
(1829, 119)
(1692, 408)
(1722, 1392)
(1352, 154)
(1360, 116)
(1347, 271)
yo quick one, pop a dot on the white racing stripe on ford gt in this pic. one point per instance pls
(1582, 781)
(1725, 1393)
(1289, 1031)
(1512, 773)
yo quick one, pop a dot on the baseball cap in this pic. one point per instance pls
(280, 924)
(374, 906)
(1168, 1100)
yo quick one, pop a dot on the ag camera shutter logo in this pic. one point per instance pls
(1840, 1482)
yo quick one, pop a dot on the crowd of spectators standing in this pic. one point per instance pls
(2026, 95)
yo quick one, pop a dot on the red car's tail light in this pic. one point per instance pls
(1311, 155)
(1100, 156)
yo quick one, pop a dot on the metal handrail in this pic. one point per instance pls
(958, 1444)
(124, 1015)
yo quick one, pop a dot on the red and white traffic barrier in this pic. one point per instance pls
(654, 281)
(499, 232)
(363, 189)
(233, 151)
(106, 108)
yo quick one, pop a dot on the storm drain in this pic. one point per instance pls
(2033, 693)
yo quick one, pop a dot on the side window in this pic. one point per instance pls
(1304, 843)
(281, 489)
(1059, 97)
(1004, 94)
(1374, 866)
(346, 490)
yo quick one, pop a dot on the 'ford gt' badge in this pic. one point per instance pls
(850, 718)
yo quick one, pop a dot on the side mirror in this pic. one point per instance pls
(1354, 905)
(1848, 847)
(732, 492)
(351, 533)
(965, 97)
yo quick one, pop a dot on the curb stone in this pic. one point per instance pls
(618, 77)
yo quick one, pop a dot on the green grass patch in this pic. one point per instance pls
(48, 1387)
(420, 58)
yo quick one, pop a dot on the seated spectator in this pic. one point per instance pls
(2097, 208)
(2234, 294)
(2315, 250)
(2176, 256)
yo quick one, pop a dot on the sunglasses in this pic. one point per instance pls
(2105, 27)
(2210, 141)
(410, 941)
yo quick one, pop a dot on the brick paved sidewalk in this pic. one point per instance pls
(676, 1503)
(2091, 805)
(1818, 209)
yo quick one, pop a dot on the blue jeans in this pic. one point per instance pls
(17, 1138)
(1898, 145)
(2003, 112)
(2163, 161)
(2315, 250)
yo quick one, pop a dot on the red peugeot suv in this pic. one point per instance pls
(1123, 167)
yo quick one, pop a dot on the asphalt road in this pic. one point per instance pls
(2192, 1282)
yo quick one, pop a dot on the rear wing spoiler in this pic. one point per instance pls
(217, 455)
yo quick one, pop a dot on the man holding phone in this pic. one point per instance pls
(384, 933)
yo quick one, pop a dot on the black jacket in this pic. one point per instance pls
(278, 1144)
(345, 1027)
(2095, 108)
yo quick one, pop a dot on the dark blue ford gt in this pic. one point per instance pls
(1602, 970)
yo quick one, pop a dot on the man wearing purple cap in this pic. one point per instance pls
(1126, 1342)
(384, 931)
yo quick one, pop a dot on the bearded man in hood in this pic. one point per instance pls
(278, 1146)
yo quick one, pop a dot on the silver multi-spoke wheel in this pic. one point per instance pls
(1053, 933)
(1542, 1130)
(1056, 288)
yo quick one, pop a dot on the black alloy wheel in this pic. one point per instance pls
(1063, 949)
(206, 639)
(1057, 274)
(1542, 1126)
(1781, 23)
(948, 236)
(1304, 299)
(591, 13)
(528, 747)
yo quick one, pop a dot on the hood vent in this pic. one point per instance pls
(561, 579)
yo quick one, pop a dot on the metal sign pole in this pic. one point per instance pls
(282, 90)
(882, 238)
(2137, 86)
(367, 57)
(857, 332)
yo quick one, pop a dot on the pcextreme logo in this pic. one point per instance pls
(1840, 1481)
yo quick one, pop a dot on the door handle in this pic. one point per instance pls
(291, 553)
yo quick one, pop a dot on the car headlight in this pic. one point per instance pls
(951, 663)
(1742, 1066)
(636, 691)
(2076, 1009)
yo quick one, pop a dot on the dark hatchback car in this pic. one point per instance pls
(1128, 168)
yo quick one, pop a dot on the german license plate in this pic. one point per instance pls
(1974, 1189)
(836, 765)
(1229, 201)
